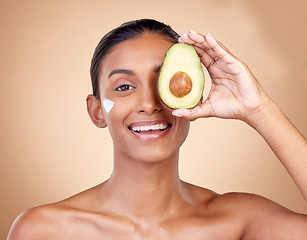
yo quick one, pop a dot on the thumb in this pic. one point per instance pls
(200, 111)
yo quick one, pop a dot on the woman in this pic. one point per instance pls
(144, 197)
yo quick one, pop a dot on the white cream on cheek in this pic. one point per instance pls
(107, 104)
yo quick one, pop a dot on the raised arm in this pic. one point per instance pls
(236, 94)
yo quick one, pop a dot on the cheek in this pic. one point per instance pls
(116, 114)
(107, 105)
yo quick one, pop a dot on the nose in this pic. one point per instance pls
(149, 100)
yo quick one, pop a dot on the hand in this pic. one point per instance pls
(235, 92)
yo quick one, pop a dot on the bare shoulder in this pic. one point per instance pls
(52, 221)
(248, 216)
(263, 218)
(35, 223)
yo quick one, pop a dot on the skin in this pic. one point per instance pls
(144, 198)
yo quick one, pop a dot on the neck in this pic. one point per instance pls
(141, 189)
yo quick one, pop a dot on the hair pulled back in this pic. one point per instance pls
(126, 31)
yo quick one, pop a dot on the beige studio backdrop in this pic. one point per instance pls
(50, 149)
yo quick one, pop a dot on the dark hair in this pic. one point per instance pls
(128, 30)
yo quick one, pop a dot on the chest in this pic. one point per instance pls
(179, 229)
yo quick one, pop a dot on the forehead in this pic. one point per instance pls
(138, 53)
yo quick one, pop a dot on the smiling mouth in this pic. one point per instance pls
(149, 128)
(150, 131)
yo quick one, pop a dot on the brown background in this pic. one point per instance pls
(51, 150)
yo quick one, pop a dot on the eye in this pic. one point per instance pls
(124, 87)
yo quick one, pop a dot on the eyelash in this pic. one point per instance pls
(124, 87)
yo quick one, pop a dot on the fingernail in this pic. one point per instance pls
(209, 35)
(176, 114)
(192, 31)
(184, 35)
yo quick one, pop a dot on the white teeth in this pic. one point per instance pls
(149, 127)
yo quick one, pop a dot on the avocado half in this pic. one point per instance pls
(181, 80)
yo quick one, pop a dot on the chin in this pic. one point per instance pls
(155, 155)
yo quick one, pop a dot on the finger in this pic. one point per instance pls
(184, 38)
(224, 47)
(209, 52)
(202, 47)
(201, 111)
(199, 41)
(205, 58)
(217, 50)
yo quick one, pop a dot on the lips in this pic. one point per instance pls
(149, 130)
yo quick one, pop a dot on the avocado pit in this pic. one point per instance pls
(180, 84)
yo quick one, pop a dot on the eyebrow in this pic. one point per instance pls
(121, 71)
(130, 72)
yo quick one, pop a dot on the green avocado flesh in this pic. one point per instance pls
(181, 79)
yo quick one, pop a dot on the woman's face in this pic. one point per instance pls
(141, 125)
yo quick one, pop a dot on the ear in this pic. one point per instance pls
(94, 109)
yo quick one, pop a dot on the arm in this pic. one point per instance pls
(288, 144)
(236, 94)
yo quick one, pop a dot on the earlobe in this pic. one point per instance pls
(94, 110)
